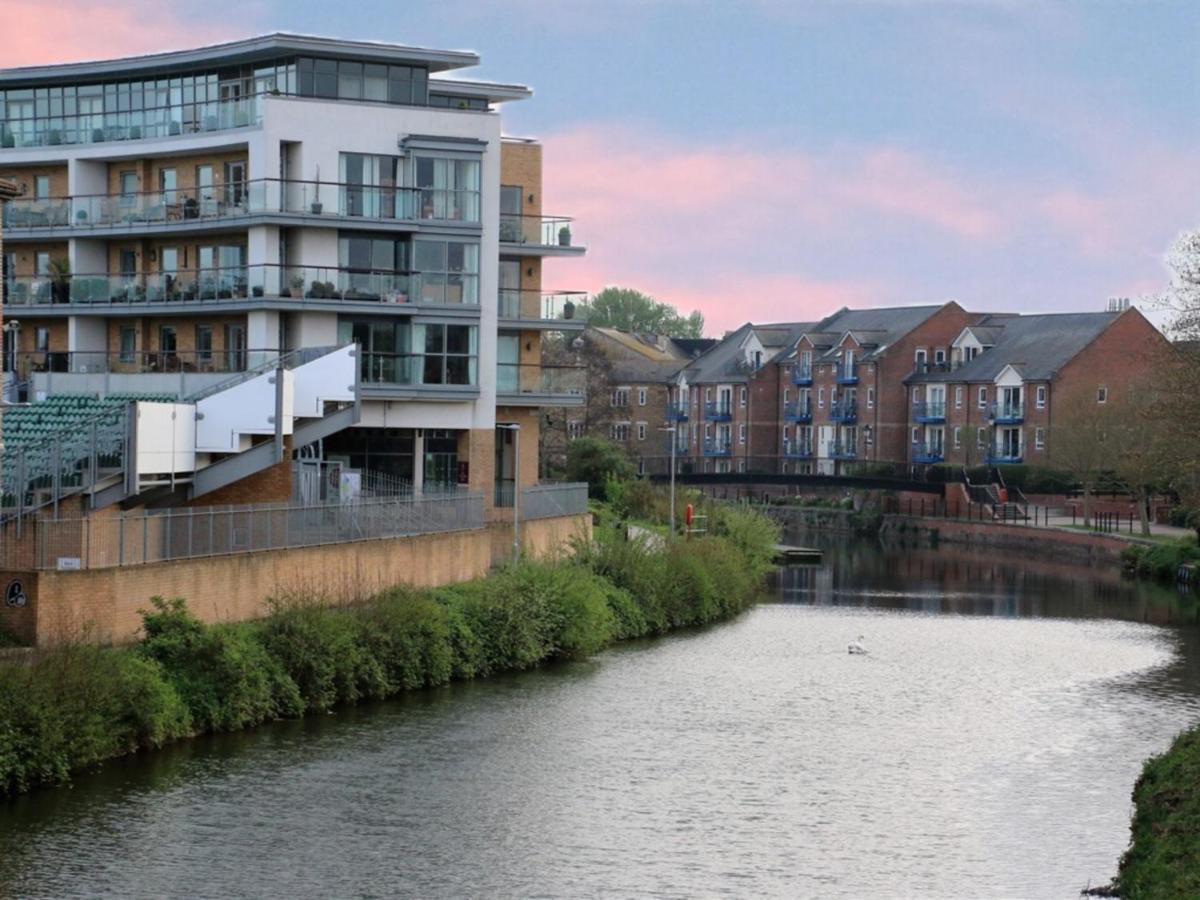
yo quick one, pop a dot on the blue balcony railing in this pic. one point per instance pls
(677, 412)
(717, 447)
(843, 411)
(839, 450)
(798, 411)
(802, 374)
(718, 411)
(930, 411)
(1004, 458)
(797, 449)
(847, 373)
(927, 453)
(1007, 413)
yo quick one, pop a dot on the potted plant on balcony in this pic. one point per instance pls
(564, 236)
(296, 287)
(60, 285)
(569, 310)
(316, 206)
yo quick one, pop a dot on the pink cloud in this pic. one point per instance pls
(74, 30)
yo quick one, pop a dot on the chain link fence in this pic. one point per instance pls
(546, 501)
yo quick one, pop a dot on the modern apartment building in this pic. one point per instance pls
(992, 397)
(191, 218)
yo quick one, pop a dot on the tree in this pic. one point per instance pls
(596, 461)
(597, 413)
(1083, 441)
(630, 310)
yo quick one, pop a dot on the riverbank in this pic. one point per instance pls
(68, 709)
(1163, 859)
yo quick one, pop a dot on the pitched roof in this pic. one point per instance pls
(721, 363)
(1037, 346)
(875, 329)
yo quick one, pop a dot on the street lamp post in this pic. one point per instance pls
(515, 428)
(671, 429)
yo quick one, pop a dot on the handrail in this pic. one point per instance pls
(288, 360)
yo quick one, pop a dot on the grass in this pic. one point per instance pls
(1163, 859)
(71, 708)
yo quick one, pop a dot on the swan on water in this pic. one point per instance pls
(857, 646)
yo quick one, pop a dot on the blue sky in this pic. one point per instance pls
(774, 160)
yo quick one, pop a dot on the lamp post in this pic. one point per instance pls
(671, 430)
(515, 428)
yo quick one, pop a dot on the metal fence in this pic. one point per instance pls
(546, 501)
(159, 536)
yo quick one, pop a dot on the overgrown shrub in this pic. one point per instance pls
(1161, 560)
(596, 461)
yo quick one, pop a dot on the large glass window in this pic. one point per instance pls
(510, 212)
(373, 267)
(369, 186)
(448, 271)
(449, 353)
(396, 352)
(448, 188)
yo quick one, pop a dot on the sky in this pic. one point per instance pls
(772, 161)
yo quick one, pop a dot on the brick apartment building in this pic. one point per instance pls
(991, 398)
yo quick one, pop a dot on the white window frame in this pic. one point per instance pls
(742, 433)
(641, 396)
(742, 399)
(983, 397)
(641, 431)
(981, 441)
(921, 355)
(916, 434)
(1102, 394)
(958, 397)
(742, 464)
(870, 398)
(820, 398)
(939, 356)
(868, 436)
(619, 399)
(957, 437)
(786, 393)
(1041, 396)
(1039, 438)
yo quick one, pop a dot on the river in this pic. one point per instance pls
(986, 746)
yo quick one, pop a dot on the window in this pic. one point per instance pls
(708, 395)
(1041, 396)
(619, 431)
(128, 344)
(921, 356)
(641, 431)
(41, 187)
(448, 271)
(741, 465)
(574, 429)
(1039, 438)
(939, 356)
(1102, 394)
(350, 80)
(375, 83)
(742, 398)
(958, 397)
(641, 396)
(981, 438)
(168, 341)
(41, 264)
(620, 397)
(868, 436)
(983, 398)
(41, 339)
(641, 466)
(741, 434)
(129, 187)
(449, 353)
(957, 437)
(168, 181)
(820, 398)
(916, 435)
(447, 188)
(870, 398)
(204, 344)
(235, 182)
(785, 396)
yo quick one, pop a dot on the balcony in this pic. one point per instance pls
(843, 411)
(802, 374)
(1005, 458)
(1007, 413)
(553, 310)
(448, 376)
(932, 368)
(928, 454)
(239, 286)
(677, 412)
(797, 411)
(521, 384)
(930, 411)
(838, 450)
(538, 236)
(717, 447)
(846, 373)
(681, 446)
(159, 371)
(718, 411)
(797, 449)
(265, 199)
(161, 122)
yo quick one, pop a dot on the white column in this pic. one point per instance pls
(262, 334)
(419, 461)
(87, 342)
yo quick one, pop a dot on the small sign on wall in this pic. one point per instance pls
(14, 595)
(464, 472)
(69, 564)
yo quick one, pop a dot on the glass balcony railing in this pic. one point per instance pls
(142, 362)
(797, 449)
(301, 283)
(677, 412)
(1007, 413)
(98, 128)
(718, 447)
(843, 411)
(847, 373)
(236, 200)
(929, 411)
(802, 373)
(718, 411)
(843, 451)
(534, 378)
(544, 231)
(797, 411)
(928, 453)
(413, 369)
(541, 305)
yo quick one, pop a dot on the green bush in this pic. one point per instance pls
(596, 461)
(1161, 560)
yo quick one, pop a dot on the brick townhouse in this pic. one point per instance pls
(840, 384)
(991, 398)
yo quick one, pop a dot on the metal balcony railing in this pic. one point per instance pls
(843, 411)
(529, 305)
(928, 453)
(535, 378)
(797, 449)
(802, 373)
(798, 411)
(838, 450)
(846, 373)
(677, 412)
(717, 447)
(1007, 413)
(929, 411)
(543, 231)
(718, 411)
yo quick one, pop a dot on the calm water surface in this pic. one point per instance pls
(986, 747)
